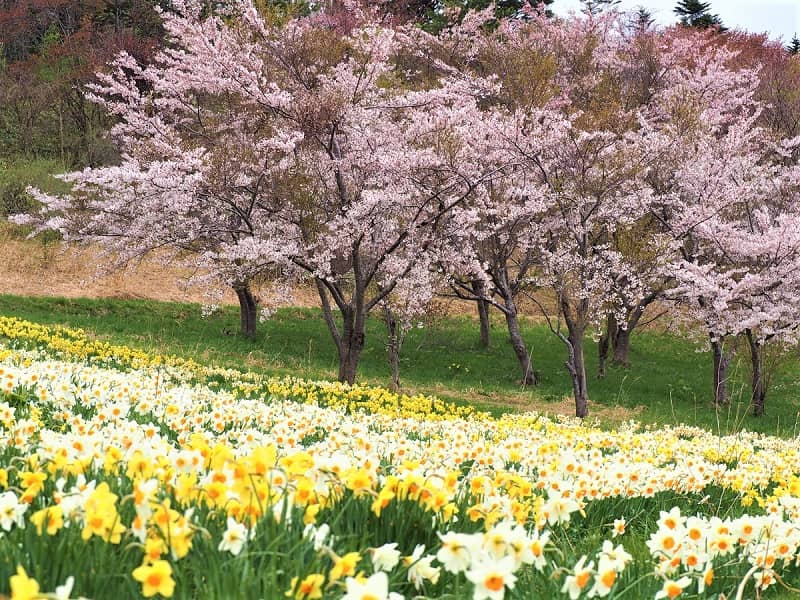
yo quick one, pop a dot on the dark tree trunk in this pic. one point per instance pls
(577, 370)
(512, 321)
(483, 313)
(621, 340)
(350, 340)
(720, 375)
(607, 340)
(759, 387)
(393, 347)
(248, 307)
(524, 359)
(622, 347)
(351, 345)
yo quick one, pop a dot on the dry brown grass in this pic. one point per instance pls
(31, 268)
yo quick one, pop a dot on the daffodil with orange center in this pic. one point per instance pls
(156, 578)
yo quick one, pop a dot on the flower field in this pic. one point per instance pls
(125, 474)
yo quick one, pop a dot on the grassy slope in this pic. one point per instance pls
(668, 383)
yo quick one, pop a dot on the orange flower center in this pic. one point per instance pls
(494, 583)
(608, 578)
(673, 590)
(582, 579)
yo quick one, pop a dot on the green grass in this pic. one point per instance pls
(669, 381)
(17, 175)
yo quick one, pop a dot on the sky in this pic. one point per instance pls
(779, 18)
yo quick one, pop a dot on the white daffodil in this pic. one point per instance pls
(376, 587)
(673, 588)
(576, 582)
(63, 591)
(492, 577)
(559, 509)
(420, 567)
(11, 511)
(235, 536)
(605, 578)
(458, 550)
(386, 557)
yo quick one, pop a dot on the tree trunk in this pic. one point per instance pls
(621, 342)
(512, 322)
(608, 339)
(248, 306)
(483, 313)
(524, 359)
(720, 375)
(759, 387)
(393, 348)
(350, 346)
(622, 347)
(350, 340)
(577, 370)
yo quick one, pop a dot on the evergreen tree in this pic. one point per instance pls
(641, 19)
(794, 46)
(694, 13)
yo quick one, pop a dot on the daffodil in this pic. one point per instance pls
(376, 587)
(385, 557)
(50, 519)
(344, 566)
(310, 588)
(23, 587)
(671, 589)
(234, 537)
(492, 577)
(156, 578)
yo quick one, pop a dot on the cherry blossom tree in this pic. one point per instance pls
(307, 145)
(520, 56)
(387, 167)
(641, 71)
(649, 258)
(596, 72)
(592, 187)
(573, 180)
(752, 276)
(200, 148)
(743, 276)
(503, 264)
(724, 192)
